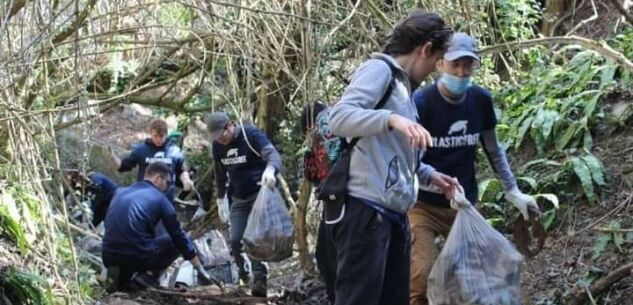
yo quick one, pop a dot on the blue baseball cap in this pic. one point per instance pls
(461, 45)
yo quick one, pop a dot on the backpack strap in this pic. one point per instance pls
(382, 101)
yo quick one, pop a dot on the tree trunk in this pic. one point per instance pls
(554, 10)
(5, 147)
(301, 231)
(271, 100)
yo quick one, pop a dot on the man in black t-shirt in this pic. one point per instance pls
(459, 116)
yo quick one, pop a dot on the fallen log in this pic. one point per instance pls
(602, 284)
(221, 299)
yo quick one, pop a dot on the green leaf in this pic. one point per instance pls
(618, 240)
(529, 180)
(492, 206)
(549, 197)
(601, 244)
(12, 228)
(584, 175)
(525, 126)
(548, 218)
(486, 186)
(564, 140)
(590, 106)
(607, 74)
(596, 168)
(549, 117)
(544, 161)
(587, 139)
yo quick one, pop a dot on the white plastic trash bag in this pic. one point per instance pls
(477, 266)
(268, 235)
(224, 210)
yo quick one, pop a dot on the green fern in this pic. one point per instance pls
(12, 229)
(23, 287)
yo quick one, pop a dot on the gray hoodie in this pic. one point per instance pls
(383, 164)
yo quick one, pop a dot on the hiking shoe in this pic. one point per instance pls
(259, 287)
(244, 278)
(146, 280)
(112, 279)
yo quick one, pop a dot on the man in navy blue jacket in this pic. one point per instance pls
(245, 156)
(158, 147)
(459, 115)
(129, 242)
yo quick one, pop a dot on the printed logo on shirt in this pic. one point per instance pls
(452, 141)
(160, 157)
(232, 153)
(232, 157)
(461, 125)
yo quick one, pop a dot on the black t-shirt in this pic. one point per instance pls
(456, 130)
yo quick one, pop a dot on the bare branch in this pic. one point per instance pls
(599, 47)
(628, 16)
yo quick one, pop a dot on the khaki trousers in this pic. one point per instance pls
(427, 222)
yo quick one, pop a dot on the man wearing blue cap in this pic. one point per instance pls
(459, 115)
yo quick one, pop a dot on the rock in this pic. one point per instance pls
(119, 301)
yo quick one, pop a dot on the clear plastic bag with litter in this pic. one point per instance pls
(269, 234)
(477, 266)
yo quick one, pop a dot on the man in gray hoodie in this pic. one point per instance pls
(370, 231)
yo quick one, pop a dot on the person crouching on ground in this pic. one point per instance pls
(129, 242)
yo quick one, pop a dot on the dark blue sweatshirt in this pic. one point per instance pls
(132, 216)
(145, 153)
(102, 190)
(240, 163)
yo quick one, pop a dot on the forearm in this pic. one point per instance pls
(272, 157)
(424, 173)
(178, 236)
(497, 159)
(220, 183)
(116, 161)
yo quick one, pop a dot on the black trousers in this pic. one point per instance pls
(372, 257)
(325, 254)
(164, 254)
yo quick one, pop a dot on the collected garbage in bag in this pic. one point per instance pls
(477, 266)
(215, 257)
(268, 235)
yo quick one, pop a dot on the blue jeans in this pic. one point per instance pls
(239, 218)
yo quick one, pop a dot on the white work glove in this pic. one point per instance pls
(268, 177)
(223, 209)
(523, 202)
(459, 199)
(187, 185)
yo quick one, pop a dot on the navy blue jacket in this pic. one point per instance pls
(132, 216)
(145, 153)
(237, 160)
(102, 190)
(455, 129)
